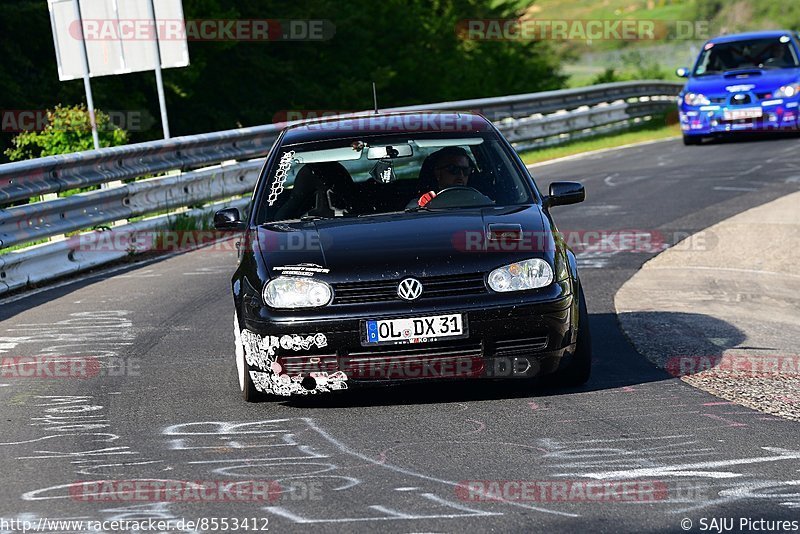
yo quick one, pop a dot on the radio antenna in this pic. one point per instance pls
(375, 97)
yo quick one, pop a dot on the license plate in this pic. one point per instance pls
(415, 329)
(736, 114)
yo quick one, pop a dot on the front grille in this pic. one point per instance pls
(744, 100)
(519, 347)
(386, 290)
(717, 99)
(408, 361)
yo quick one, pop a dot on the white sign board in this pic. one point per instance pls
(119, 36)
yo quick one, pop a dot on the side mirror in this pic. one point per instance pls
(229, 219)
(682, 72)
(563, 193)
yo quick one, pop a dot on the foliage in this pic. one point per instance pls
(729, 16)
(410, 48)
(68, 130)
(635, 66)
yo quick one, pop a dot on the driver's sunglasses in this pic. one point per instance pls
(457, 169)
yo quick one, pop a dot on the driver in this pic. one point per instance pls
(448, 167)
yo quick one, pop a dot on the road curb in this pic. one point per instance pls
(721, 309)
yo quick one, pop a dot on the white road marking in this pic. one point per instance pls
(725, 188)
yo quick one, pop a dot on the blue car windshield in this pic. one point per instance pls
(771, 53)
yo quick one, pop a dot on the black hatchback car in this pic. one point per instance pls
(404, 246)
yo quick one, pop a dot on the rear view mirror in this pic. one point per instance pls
(228, 219)
(564, 193)
(682, 72)
(389, 151)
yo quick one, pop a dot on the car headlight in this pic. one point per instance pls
(788, 91)
(527, 274)
(293, 292)
(696, 99)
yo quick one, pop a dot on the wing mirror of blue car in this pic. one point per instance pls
(564, 193)
(229, 219)
(682, 72)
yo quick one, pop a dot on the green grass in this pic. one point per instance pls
(648, 132)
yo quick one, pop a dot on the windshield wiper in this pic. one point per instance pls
(414, 209)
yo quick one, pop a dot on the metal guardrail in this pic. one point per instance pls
(226, 164)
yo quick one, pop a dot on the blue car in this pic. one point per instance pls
(742, 83)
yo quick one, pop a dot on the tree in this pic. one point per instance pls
(68, 130)
(410, 48)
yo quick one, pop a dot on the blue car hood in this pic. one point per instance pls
(761, 80)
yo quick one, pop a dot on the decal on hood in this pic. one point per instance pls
(301, 269)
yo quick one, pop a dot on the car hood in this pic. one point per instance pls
(395, 245)
(760, 80)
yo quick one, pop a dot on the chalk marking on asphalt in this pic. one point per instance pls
(696, 469)
(610, 180)
(745, 491)
(727, 421)
(754, 169)
(726, 188)
(394, 515)
(343, 448)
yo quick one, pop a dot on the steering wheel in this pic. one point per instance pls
(459, 196)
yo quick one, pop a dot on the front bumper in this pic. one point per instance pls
(520, 340)
(777, 115)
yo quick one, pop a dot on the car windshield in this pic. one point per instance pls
(365, 176)
(772, 53)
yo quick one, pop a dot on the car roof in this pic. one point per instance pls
(387, 123)
(750, 35)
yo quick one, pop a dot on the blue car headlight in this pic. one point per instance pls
(290, 292)
(526, 274)
(695, 99)
(788, 91)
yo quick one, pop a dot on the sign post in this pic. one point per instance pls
(162, 102)
(101, 38)
(87, 84)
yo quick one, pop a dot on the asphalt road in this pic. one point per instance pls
(165, 403)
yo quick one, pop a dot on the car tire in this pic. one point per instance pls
(690, 140)
(577, 370)
(249, 391)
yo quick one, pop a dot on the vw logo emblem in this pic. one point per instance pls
(409, 289)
